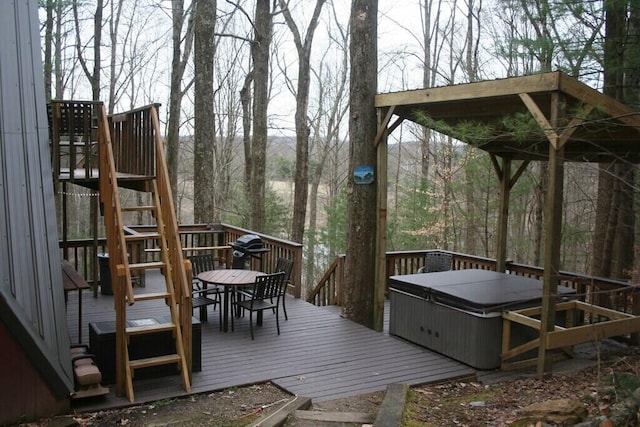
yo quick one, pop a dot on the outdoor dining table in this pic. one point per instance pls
(229, 279)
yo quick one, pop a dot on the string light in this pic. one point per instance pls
(75, 194)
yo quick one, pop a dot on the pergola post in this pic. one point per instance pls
(380, 142)
(552, 242)
(504, 175)
(381, 224)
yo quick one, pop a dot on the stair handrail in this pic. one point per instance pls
(328, 291)
(170, 221)
(111, 204)
(110, 201)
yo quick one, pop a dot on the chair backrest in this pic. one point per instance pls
(438, 261)
(202, 262)
(268, 286)
(286, 266)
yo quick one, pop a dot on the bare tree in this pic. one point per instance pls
(473, 10)
(229, 74)
(247, 108)
(429, 15)
(182, 41)
(114, 26)
(92, 75)
(56, 32)
(303, 47)
(632, 96)
(332, 105)
(50, 7)
(260, 54)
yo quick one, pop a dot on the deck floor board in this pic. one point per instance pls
(318, 354)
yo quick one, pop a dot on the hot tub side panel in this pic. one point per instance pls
(473, 339)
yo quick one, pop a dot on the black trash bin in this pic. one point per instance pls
(245, 247)
(105, 274)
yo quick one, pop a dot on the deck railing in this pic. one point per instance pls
(278, 248)
(133, 137)
(74, 153)
(194, 238)
(609, 293)
(73, 126)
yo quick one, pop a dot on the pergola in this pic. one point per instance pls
(560, 119)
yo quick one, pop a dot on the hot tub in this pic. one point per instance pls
(459, 313)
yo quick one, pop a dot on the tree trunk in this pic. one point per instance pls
(114, 24)
(358, 298)
(57, 67)
(622, 250)
(260, 55)
(50, 6)
(606, 222)
(97, 43)
(92, 75)
(179, 60)
(204, 49)
(538, 211)
(632, 97)
(245, 100)
(302, 127)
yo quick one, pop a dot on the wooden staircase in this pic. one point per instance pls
(149, 182)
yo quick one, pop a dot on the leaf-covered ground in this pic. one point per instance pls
(599, 387)
(472, 404)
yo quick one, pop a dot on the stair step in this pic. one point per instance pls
(150, 329)
(151, 296)
(138, 208)
(146, 265)
(155, 361)
(335, 417)
(141, 236)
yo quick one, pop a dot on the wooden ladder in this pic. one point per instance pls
(170, 262)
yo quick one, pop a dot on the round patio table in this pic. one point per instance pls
(230, 278)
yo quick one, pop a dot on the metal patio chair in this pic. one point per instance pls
(266, 295)
(437, 261)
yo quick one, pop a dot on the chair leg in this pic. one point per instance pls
(220, 311)
(284, 307)
(251, 323)
(277, 321)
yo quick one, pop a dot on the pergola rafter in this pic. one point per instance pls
(574, 123)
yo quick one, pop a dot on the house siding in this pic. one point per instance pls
(32, 310)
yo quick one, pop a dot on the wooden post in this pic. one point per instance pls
(381, 226)
(553, 231)
(504, 175)
(185, 314)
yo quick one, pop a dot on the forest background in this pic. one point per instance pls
(255, 97)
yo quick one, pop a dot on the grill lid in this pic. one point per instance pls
(247, 243)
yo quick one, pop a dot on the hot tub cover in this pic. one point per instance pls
(479, 291)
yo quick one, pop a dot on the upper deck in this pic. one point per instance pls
(74, 132)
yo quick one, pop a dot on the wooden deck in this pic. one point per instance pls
(318, 354)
